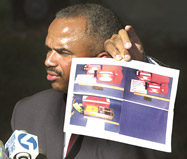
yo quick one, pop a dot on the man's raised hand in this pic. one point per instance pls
(125, 45)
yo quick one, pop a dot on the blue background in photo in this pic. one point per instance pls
(143, 122)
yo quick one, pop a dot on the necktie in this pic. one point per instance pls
(71, 141)
(74, 146)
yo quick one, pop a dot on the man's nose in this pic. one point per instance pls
(51, 59)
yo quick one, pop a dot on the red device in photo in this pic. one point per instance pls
(95, 101)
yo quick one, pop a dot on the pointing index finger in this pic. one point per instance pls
(131, 33)
(125, 38)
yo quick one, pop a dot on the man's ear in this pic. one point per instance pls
(104, 55)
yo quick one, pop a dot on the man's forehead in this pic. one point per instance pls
(68, 25)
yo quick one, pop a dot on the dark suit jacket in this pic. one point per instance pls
(43, 115)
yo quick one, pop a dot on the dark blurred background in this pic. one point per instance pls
(161, 25)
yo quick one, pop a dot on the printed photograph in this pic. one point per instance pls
(122, 102)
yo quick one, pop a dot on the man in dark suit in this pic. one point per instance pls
(78, 31)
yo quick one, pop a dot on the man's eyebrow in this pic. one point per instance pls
(60, 50)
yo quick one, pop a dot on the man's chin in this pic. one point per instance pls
(59, 87)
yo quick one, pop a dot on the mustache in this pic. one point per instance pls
(53, 69)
